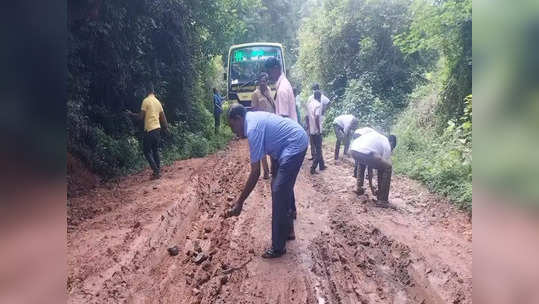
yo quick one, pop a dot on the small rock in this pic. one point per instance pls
(145, 192)
(154, 187)
(224, 279)
(137, 224)
(251, 251)
(173, 251)
(428, 270)
(207, 229)
(230, 198)
(199, 258)
(196, 291)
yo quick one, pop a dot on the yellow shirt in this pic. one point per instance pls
(152, 107)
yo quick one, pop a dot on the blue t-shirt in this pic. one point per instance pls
(272, 134)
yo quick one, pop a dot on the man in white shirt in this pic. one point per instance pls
(314, 109)
(325, 102)
(358, 133)
(374, 150)
(285, 101)
(344, 125)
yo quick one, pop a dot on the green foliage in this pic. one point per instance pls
(442, 162)
(347, 46)
(444, 27)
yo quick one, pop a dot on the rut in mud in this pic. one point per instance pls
(346, 251)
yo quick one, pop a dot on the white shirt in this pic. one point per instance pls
(285, 101)
(314, 108)
(372, 142)
(345, 122)
(324, 102)
(363, 131)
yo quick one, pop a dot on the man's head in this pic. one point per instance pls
(236, 119)
(263, 80)
(150, 88)
(273, 66)
(317, 95)
(296, 91)
(316, 87)
(392, 141)
(354, 124)
(214, 91)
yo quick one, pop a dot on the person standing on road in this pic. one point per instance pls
(344, 126)
(315, 112)
(151, 112)
(285, 101)
(286, 143)
(325, 105)
(374, 150)
(217, 109)
(263, 101)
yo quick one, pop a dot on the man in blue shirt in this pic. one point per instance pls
(217, 108)
(285, 141)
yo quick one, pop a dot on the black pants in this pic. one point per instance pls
(312, 146)
(341, 138)
(217, 118)
(318, 159)
(151, 149)
(283, 199)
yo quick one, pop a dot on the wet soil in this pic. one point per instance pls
(347, 250)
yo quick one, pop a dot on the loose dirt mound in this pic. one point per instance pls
(346, 251)
(79, 179)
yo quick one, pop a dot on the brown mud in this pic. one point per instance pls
(346, 249)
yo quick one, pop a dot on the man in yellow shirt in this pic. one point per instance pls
(153, 115)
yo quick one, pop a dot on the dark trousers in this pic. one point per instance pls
(318, 159)
(341, 138)
(217, 118)
(151, 149)
(283, 199)
(312, 146)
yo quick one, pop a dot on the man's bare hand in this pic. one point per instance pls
(234, 211)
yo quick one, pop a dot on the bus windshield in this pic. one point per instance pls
(247, 63)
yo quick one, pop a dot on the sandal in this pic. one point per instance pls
(271, 253)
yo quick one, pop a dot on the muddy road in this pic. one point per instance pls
(346, 249)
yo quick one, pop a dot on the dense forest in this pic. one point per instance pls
(400, 66)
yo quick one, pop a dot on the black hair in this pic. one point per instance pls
(236, 110)
(316, 86)
(317, 95)
(392, 141)
(271, 63)
(150, 87)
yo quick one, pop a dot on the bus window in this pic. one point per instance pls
(247, 63)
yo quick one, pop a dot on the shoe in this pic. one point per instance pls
(271, 253)
(323, 168)
(155, 176)
(313, 171)
(382, 204)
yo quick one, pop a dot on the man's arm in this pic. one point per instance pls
(249, 186)
(163, 120)
(317, 122)
(139, 116)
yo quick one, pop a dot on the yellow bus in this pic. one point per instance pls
(245, 62)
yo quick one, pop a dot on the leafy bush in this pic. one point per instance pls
(442, 161)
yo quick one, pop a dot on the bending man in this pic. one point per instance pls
(374, 150)
(286, 143)
(344, 126)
